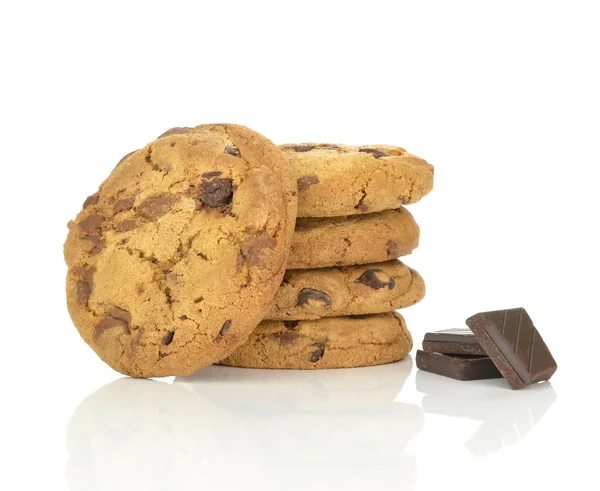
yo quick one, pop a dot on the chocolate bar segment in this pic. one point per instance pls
(514, 345)
(452, 342)
(459, 367)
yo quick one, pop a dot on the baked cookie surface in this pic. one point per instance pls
(340, 180)
(358, 239)
(177, 257)
(352, 290)
(333, 342)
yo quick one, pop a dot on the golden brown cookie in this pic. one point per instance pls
(352, 290)
(177, 257)
(333, 342)
(340, 180)
(358, 239)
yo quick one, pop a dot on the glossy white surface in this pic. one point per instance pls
(229, 428)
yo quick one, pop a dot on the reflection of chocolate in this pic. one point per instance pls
(310, 296)
(377, 279)
(287, 338)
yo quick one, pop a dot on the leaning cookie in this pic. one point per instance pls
(339, 180)
(352, 290)
(334, 342)
(177, 257)
(359, 239)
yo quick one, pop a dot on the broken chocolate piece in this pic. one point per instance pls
(452, 342)
(514, 345)
(310, 296)
(377, 279)
(217, 192)
(459, 367)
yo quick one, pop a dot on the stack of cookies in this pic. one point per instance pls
(194, 239)
(335, 307)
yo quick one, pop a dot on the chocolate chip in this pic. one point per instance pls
(231, 150)
(290, 324)
(84, 290)
(135, 342)
(214, 173)
(287, 338)
(116, 318)
(252, 249)
(348, 240)
(153, 208)
(307, 181)
(92, 224)
(167, 338)
(217, 192)
(377, 279)
(329, 146)
(97, 244)
(223, 331)
(125, 226)
(123, 205)
(392, 249)
(318, 353)
(91, 200)
(178, 130)
(373, 151)
(309, 296)
(303, 148)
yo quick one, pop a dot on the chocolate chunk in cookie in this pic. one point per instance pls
(308, 296)
(377, 279)
(216, 192)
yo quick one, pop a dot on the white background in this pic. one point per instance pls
(502, 97)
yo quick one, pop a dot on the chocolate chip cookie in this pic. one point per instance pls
(340, 180)
(333, 342)
(352, 290)
(177, 257)
(359, 239)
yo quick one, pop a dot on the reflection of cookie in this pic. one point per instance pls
(176, 258)
(351, 290)
(333, 342)
(338, 180)
(364, 239)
